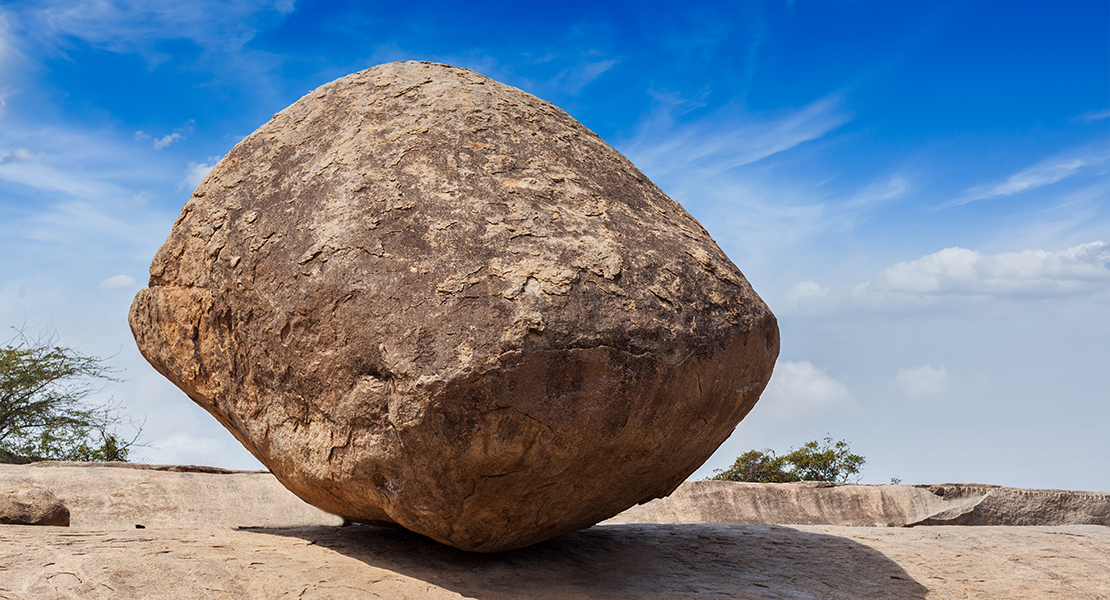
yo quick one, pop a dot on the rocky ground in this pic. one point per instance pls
(320, 559)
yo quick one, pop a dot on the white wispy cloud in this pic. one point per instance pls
(1046, 172)
(879, 191)
(573, 79)
(695, 160)
(76, 152)
(922, 382)
(8, 48)
(82, 196)
(43, 172)
(1095, 115)
(565, 73)
(729, 138)
(134, 25)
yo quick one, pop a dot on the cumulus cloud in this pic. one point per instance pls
(806, 289)
(19, 155)
(959, 271)
(922, 382)
(1044, 173)
(800, 389)
(164, 141)
(956, 276)
(117, 282)
(178, 135)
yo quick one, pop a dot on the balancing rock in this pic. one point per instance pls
(425, 298)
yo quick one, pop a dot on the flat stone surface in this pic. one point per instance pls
(612, 561)
(118, 497)
(192, 549)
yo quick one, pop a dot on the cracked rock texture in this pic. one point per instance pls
(425, 298)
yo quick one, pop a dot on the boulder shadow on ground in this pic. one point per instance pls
(635, 561)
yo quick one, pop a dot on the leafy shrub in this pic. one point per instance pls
(822, 460)
(43, 415)
(758, 467)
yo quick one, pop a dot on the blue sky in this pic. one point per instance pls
(920, 191)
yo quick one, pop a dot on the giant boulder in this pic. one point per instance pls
(425, 298)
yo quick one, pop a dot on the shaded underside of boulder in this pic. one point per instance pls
(423, 297)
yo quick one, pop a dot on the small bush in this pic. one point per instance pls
(758, 467)
(822, 460)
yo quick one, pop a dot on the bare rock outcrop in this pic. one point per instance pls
(422, 297)
(118, 496)
(820, 503)
(195, 545)
(979, 504)
(615, 562)
(31, 505)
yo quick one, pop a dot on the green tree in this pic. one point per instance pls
(758, 467)
(43, 413)
(826, 461)
(823, 460)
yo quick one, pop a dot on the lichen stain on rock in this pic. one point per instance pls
(422, 297)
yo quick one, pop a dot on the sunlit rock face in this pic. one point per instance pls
(422, 297)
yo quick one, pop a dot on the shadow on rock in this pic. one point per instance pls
(635, 561)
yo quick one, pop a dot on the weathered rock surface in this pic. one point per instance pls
(118, 497)
(816, 503)
(103, 556)
(30, 505)
(610, 561)
(978, 504)
(422, 297)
